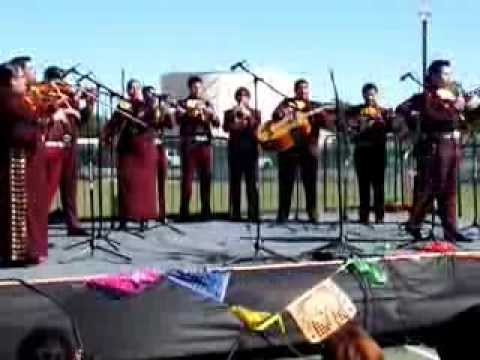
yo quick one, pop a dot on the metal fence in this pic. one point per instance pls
(98, 174)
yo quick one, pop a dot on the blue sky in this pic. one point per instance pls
(369, 40)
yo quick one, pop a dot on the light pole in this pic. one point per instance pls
(425, 14)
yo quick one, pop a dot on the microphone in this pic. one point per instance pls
(67, 72)
(83, 77)
(405, 76)
(237, 65)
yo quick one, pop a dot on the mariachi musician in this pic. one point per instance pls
(23, 200)
(163, 120)
(196, 117)
(241, 122)
(370, 123)
(439, 112)
(61, 148)
(303, 154)
(133, 124)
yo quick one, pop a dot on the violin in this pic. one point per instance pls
(45, 98)
(446, 94)
(48, 97)
(450, 98)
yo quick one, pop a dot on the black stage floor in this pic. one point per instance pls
(170, 322)
(195, 245)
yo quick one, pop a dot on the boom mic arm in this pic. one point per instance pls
(237, 65)
(412, 77)
(405, 76)
(72, 70)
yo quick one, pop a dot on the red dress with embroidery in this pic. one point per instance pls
(23, 196)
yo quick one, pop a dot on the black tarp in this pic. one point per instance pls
(168, 321)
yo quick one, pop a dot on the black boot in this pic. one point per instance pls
(414, 231)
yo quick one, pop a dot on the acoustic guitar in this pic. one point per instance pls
(278, 135)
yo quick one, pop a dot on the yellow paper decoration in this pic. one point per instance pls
(258, 321)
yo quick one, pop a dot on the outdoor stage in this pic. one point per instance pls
(170, 321)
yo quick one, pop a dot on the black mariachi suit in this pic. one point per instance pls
(303, 155)
(242, 160)
(369, 157)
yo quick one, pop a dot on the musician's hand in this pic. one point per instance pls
(284, 112)
(60, 116)
(73, 112)
(209, 111)
(82, 104)
(460, 103)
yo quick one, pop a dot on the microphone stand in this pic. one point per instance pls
(258, 244)
(338, 247)
(92, 244)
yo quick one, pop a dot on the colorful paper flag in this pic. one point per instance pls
(211, 284)
(373, 274)
(258, 321)
(126, 284)
(322, 310)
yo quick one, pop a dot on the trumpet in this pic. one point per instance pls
(242, 112)
(196, 108)
(371, 112)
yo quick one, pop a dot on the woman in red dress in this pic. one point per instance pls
(133, 123)
(23, 200)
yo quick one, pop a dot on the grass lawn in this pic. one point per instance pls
(326, 195)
